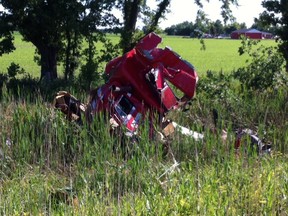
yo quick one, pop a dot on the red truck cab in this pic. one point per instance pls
(142, 80)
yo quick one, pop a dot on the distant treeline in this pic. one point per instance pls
(207, 28)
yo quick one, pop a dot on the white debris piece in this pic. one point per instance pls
(186, 131)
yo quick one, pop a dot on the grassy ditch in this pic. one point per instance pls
(51, 166)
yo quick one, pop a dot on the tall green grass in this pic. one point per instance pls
(50, 166)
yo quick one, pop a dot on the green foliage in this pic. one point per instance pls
(215, 85)
(17, 81)
(50, 166)
(14, 69)
(275, 15)
(247, 45)
(185, 28)
(55, 28)
(202, 26)
(42, 154)
(6, 36)
(89, 72)
(6, 45)
(265, 69)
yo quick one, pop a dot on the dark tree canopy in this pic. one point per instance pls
(57, 28)
(52, 26)
(6, 36)
(276, 15)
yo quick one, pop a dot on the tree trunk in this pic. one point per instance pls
(48, 63)
(68, 55)
(162, 8)
(283, 48)
(285, 54)
(130, 12)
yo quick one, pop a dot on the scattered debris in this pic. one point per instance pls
(139, 86)
(145, 83)
(69, 105)
(186, 131)
(250, 140)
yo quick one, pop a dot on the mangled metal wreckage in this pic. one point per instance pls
(142, 85)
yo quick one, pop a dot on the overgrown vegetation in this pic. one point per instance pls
(265, 69)
(51, 166)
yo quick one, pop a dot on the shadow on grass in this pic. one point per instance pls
(28, 88)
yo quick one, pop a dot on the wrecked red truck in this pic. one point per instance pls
(141, 84)
(145, 83)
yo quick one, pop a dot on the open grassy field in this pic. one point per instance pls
(220, 55)
(49, 166)
(23, 55)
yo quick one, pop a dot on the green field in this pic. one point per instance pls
(23, 55)
(220, 55)
(49, 166)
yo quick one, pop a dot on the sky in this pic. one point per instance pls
(185, 10)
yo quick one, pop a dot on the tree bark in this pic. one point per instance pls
(48, 63)
(68, 56)
(283, 48)
(130, 12)
(162, 8)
